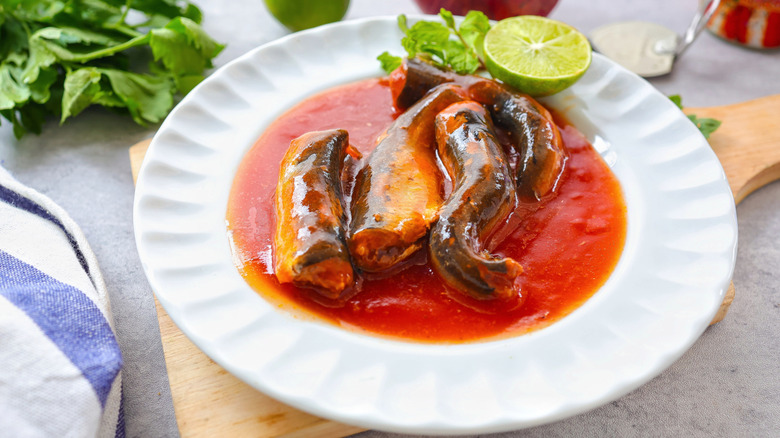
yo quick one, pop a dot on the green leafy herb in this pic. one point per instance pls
(60, 57)
(389, 62)
(446, 45)
(706, 125)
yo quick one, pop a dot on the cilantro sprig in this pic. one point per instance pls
(60, 57)
(444, 44)
(706, 125)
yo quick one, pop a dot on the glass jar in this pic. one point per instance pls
(752, 23)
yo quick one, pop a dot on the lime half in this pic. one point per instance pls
(536, 55)
(304, 14)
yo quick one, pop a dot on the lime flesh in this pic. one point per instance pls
(536, 55)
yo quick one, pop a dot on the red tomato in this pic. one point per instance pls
(494, 9)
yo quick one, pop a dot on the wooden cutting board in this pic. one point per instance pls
(209, 401)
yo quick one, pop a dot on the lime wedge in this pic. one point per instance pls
(536, 55)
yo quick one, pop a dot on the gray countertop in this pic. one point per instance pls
(727, 384)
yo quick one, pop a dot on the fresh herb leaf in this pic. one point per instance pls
(425, 37)
(12, 91)
(706, 125)
(58, 57)
(148, 98)
(10, 114)
(193, 13)
(445, 45)
(463, 61)
(40, 89)
(449, 20)
(677, 100)
(389, 62)
(183, 47)
(81, 89)
(402, 24)
(185, 83)
(471, 36)
(13, 38)
(473, 30)
(32, 117)
(167, 8)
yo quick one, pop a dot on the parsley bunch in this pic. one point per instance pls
(445, 45)
(59, 57)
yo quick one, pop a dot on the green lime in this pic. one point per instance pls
(536, 55)
(304, 14)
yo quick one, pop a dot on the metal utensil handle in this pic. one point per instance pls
(697, 25)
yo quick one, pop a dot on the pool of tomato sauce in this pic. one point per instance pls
(568, 244)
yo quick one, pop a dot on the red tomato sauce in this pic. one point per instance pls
(568, 244)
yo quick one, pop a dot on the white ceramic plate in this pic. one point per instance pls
(672, 276)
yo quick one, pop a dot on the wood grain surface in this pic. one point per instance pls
(209, 401)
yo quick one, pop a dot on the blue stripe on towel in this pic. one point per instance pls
(120, 419)
(19, 201)
(68, 317)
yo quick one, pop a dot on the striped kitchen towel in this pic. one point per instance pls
(59, 359)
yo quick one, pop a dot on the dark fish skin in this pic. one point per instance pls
(414, 78)
(482, 197)
(398, 192)
(309, 243)
(534, 133)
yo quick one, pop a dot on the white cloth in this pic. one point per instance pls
(60, 364)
